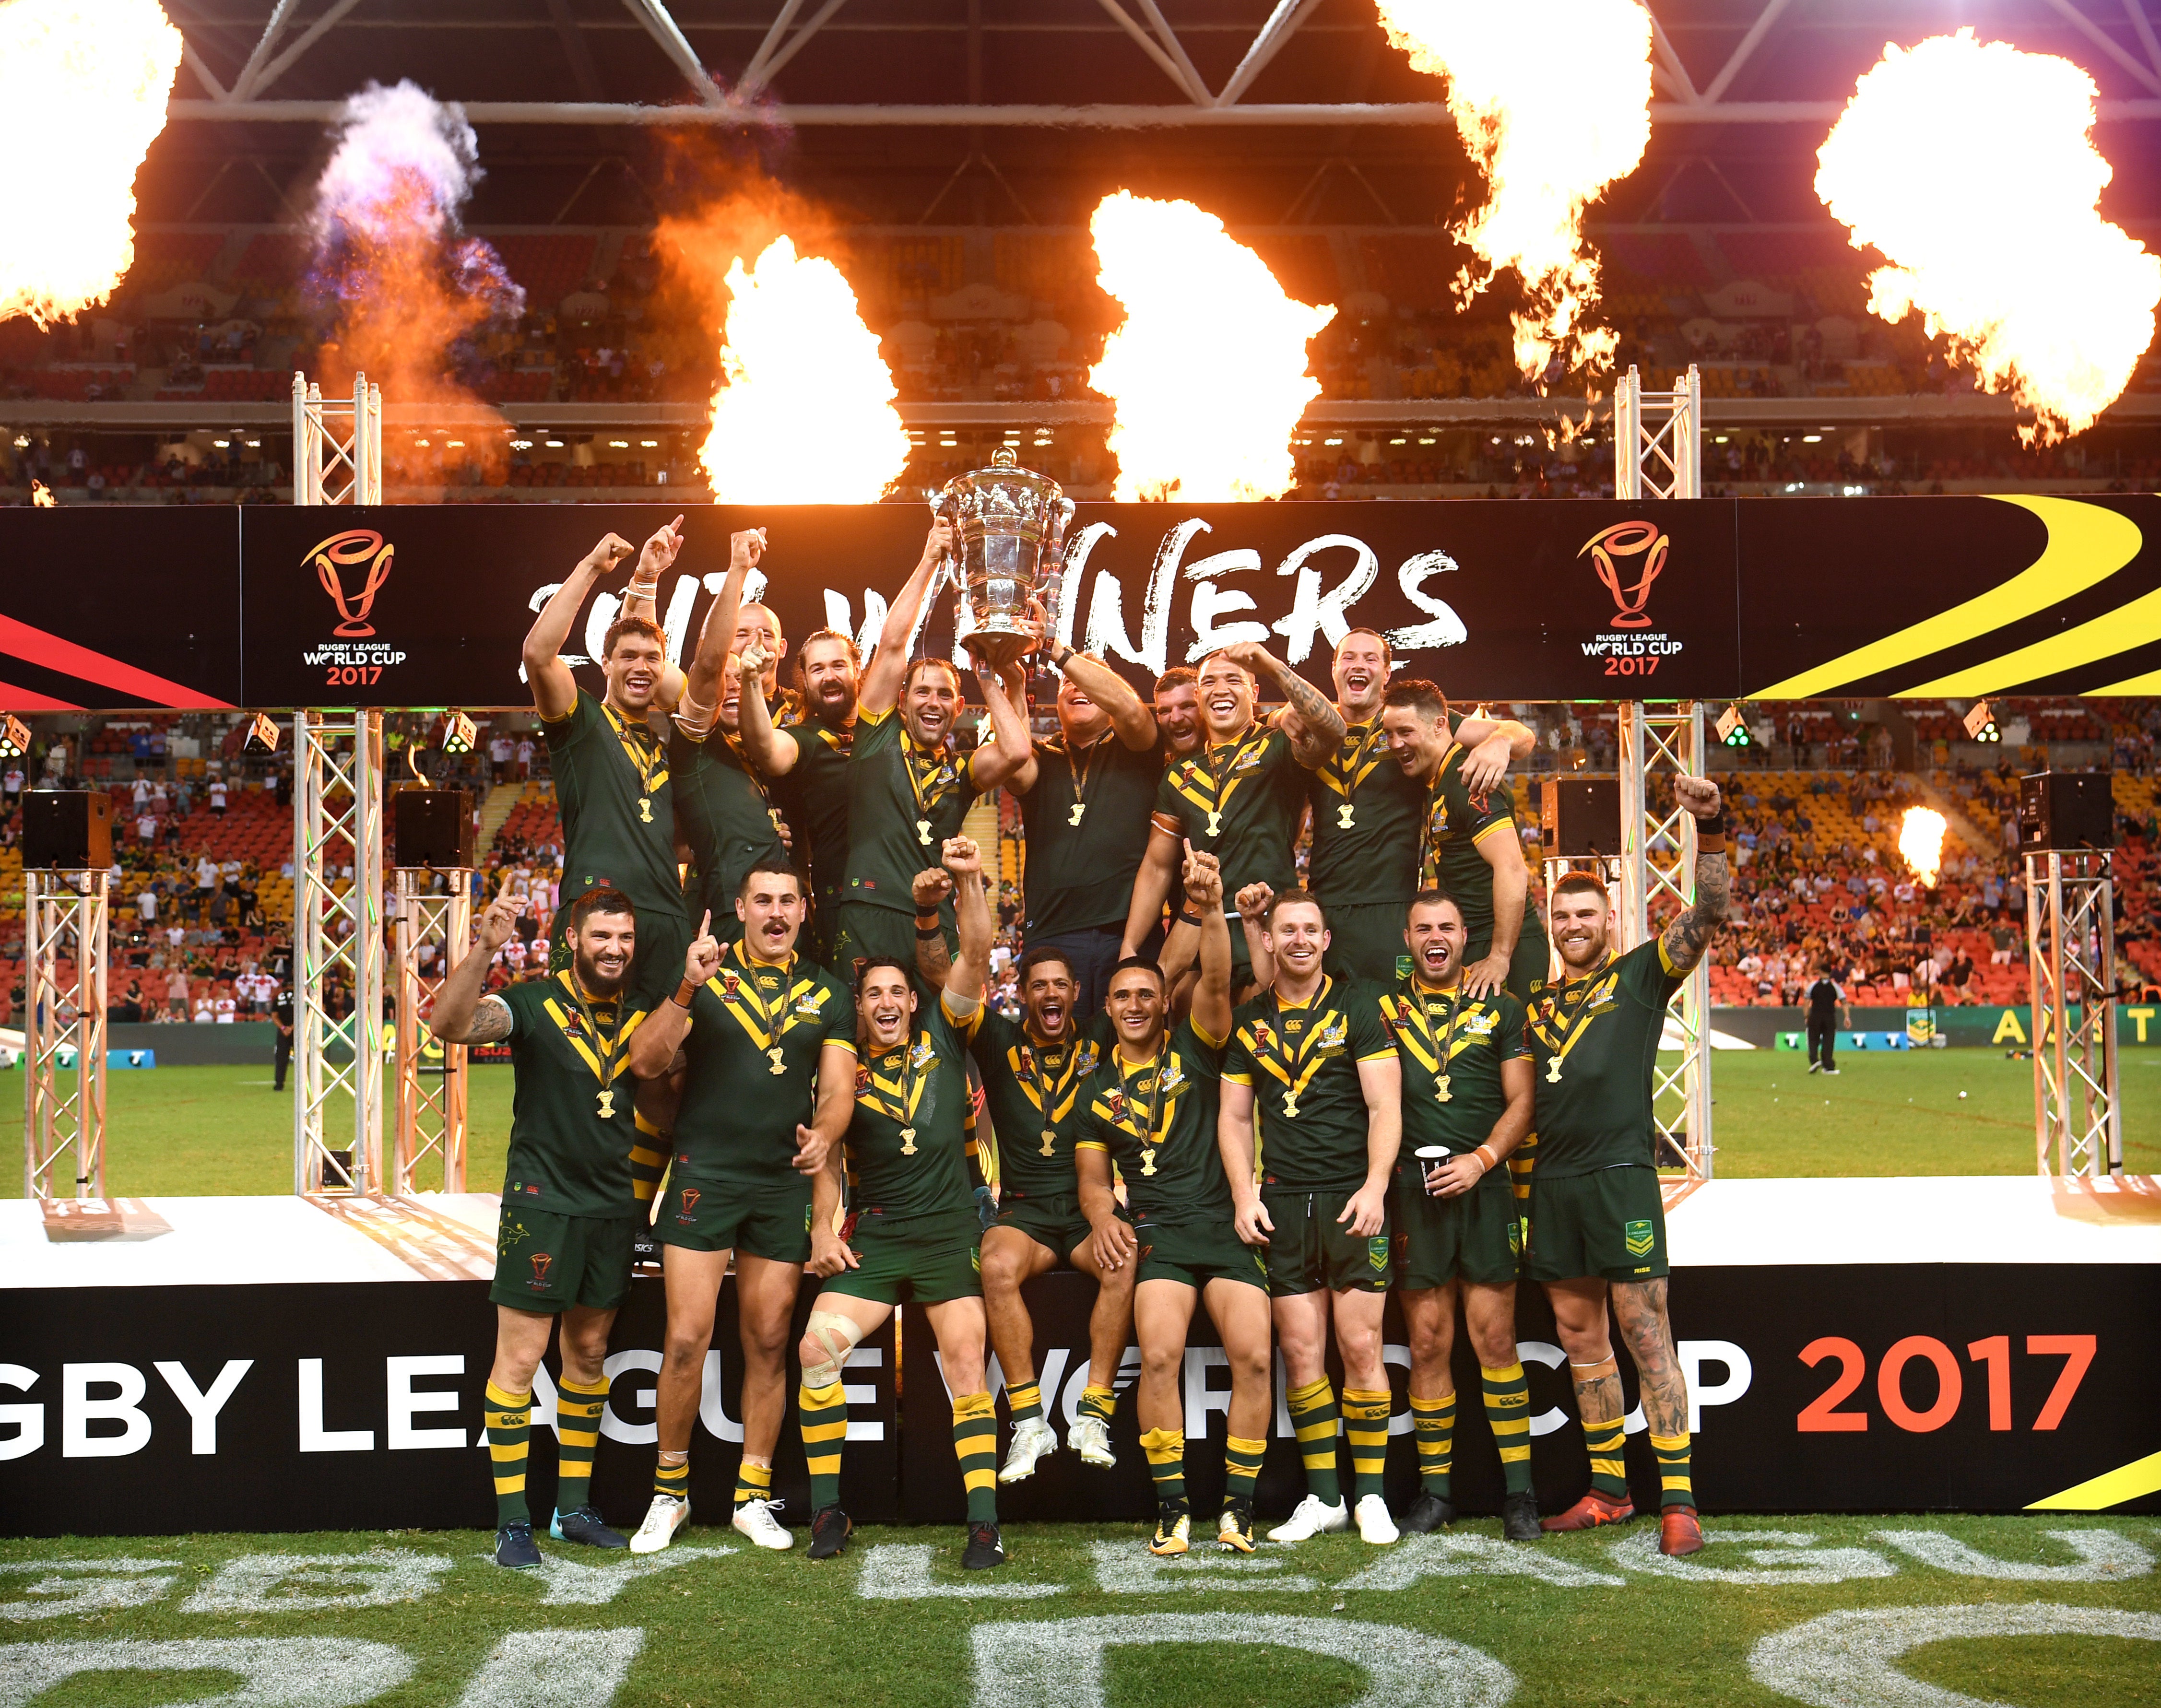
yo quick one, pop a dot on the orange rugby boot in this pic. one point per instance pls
(1593, 1510)
(1680, 1531)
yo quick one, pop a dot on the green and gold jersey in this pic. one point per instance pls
(1451, 1052)
(908, 1145)
(814, 795)
(727, 819)
(756, 1032)
(903, 802)
(1366, 820)
(1157, 1120)
(1086, 822)
(1240, 801)
(1595, 1042)
(1033, 1094)
(1456, 821)
(572, 1136)
(612, 788)
(1302, 1061)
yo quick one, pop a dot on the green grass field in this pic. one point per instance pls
(221, 1130)
(1464, 1618)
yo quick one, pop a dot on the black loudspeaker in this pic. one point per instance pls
(2066, 810)
(1580, 816)
(432, 828)
(67, 829)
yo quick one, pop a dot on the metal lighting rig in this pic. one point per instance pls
(65, 914)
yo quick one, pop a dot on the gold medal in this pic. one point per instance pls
(607, 1103)
(922, 831)
(1079, 808)
(907, 1141)
(1148, 1160)
(778, 1066)
(1553, 1073)
(1215, 824)
(1290, 1105)
(645, 808)
(1343, 816)
(1440, 1091)
(1049, 1141)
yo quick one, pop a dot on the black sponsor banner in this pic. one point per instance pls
(359, 1407)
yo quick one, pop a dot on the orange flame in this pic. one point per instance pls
(1552, 113)
(1970, 164)
(41, 495)
(1921, 843)
(1208, 370)
(84, 84)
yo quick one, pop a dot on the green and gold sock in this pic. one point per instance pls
(578, 1429)
(1099, 1403)
(509, 1418)
(1024, 1400)
(824, 1412)
(1166, 1457)
(976, 1445)
(1366, 1422)
(673, 1480)
(649, 1158)
(1241, 1470)
(1433, 1424)
(1676, 1487)
(1312, 1415)
(754, 1482)
(1609, 1473)
(1508, 1395)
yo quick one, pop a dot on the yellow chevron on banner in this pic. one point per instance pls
(2127, 1482)
(2150, 683)
(2137, 624)
(2087, 545)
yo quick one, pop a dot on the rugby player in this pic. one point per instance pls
(1086, 796)
(572, 1198)
(1177, 709)
(1310, 1056)
(1467, 1077)
(1598, 1227)
(1367, 813)
(610, 767)
(1242, 796)
(768, 1044)
(913, 1184)
(908, 789)
(1151, 1110)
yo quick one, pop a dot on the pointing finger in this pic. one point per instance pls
(705, 924)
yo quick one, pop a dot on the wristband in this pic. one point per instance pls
(1710, 841)
(1490, 1162)
(641, 589)
(922, 935)
(685, 992)
(1192, 919)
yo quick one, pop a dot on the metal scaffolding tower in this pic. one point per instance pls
(1657, 438)
(330, 466)
(2070, 954)
(430, 1115)
(65, 918)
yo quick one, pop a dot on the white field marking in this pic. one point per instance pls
(2104, 1557)
(1795, 1559)
(276, 1672)
(571, 1584)
(300, 1583)
(1845, 1660)
(1128, 1569)
(1058, 1664)
(87, 1585)
(1417, 1557)
(900, 1571)
(554, 1669)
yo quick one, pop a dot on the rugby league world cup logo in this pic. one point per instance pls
(1614, 551)
(361, 556)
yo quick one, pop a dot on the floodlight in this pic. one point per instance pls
(1981, 722)
(14, 738)
(262, 732)
(459, 733)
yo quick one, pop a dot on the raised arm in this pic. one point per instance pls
(1319, 730)
(773, 750)
(1130, 716)
(934, 961)
(881, 683)
(1689, 935)
(1252, 917)
(1211, 998)
(972, 921)
(641, 597)
(1151, 888)
(653, 1046)
(1503, 850)
(555, 689)
(462, 1015)
(701, 687)
(1004, 693)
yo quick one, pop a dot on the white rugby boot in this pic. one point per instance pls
(1031, 1440)
(1090, 1438)
(1375, 1525)
(1313, 1518)
(755, 1519)
(662, 1519)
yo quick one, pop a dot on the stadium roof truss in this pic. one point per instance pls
(1105, 63)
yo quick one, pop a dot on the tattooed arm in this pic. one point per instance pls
(1689, 935)
(461, 1014)
(1319, 730)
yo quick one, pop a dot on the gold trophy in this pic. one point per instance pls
(1009, 539)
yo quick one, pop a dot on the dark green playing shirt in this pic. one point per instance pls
(902, 804)
(908, 1145)
(814, 795)
(1601, 1032)
(1082, 864)
(1367, 818)
(1477, 1036)
(1033, 1094)
(1302, 1062)
(613, 787)
(1158, 1123)
(739, 1113)
(1240, 801)
(1456, 822)
(727, 819)
(571, 1131)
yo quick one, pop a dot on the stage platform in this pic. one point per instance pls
(1980, 1344)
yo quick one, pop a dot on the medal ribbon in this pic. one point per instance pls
(918, 781)
(1149, 1135)
(1428, 837)
(609, 1062)
(1343, 775)
(1044, 1093)
(1413, 1010)
(640, 747)
(1223, 779)
(1282, 1062)
(1561, 1032)
(773, 1022)
(908, 1088)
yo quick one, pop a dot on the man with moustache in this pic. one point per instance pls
(1367, 813)
(611, 765)
(572, 1197)
(1086, 796)
(769, 1045)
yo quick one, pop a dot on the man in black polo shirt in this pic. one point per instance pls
(1826, 996)
(1086, 796)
